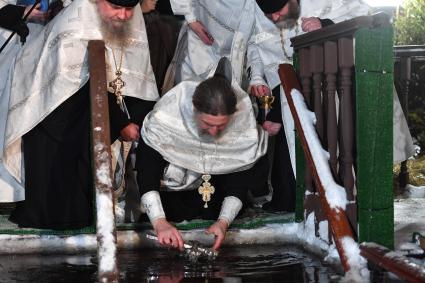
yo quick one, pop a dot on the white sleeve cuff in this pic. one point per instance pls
(151, 202)
(190, 18)
(257, 80)
(230, 209)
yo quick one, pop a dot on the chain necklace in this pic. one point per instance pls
(282, 40)
(117, 84)
(206, 189)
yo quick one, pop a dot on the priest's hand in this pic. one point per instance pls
(310, 24)
(167, 234)
(219, 229)
(272, 128)
(37, 16)
(130, 132)
(202, 32)
(259, 90)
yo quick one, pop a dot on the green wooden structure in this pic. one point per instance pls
(372, 103)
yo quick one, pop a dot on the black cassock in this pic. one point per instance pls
(58, 172)
(188, 204)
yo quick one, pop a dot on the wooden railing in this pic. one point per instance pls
(337, 218)
(404, 268)
(346, 77)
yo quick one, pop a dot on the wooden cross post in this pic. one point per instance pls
(102, 169)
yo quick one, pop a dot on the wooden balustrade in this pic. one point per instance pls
(334, 75)
(338, 221)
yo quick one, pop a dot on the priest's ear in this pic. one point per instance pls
(224, 69)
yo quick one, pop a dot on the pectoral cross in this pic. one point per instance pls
(117, 84)
(206, 190)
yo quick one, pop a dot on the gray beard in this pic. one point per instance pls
(118, 34)
(286, 23)
(289, 20)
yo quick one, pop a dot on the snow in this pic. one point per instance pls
(414, 192)
(358, 265)
(105, 211)
(409, 217)
(105, 228)
(324, 230)
(103, 158)
(335, 194)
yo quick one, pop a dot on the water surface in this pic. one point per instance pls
(242, 264)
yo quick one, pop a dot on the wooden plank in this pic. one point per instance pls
(374, 134)
(102, 169)
(399, 265)
(374, 49)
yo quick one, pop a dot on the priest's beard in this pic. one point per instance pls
(290, 19)
(116, 33)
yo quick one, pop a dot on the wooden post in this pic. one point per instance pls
(331, 69)
(346, 125)
(102, 169)
(374, 133)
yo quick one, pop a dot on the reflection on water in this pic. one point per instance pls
(243, 264)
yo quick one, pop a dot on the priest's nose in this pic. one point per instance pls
(124, 14)
(213, 131)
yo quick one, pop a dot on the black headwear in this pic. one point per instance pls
(271, 6)
(124, 3)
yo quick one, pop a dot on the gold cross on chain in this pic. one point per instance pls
(206, 190)
(117, 84)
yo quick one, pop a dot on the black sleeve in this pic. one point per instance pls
(118, 119)
(150, 168)
(11, 19)
(138, 109)
(326, 22)
(10, 16)
(239, 183)
(275, 114)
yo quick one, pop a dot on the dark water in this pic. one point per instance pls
(243, 264)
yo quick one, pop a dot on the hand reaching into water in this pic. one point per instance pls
(219, 229)
(167, 234)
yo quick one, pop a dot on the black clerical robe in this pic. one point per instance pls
(58, 172)
(162, 43)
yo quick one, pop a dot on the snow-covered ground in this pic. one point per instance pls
(409, 216)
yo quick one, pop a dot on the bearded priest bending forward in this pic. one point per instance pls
(202, 140)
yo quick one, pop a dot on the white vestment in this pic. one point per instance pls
(50, 68)
(241, 33)
(171, 130)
